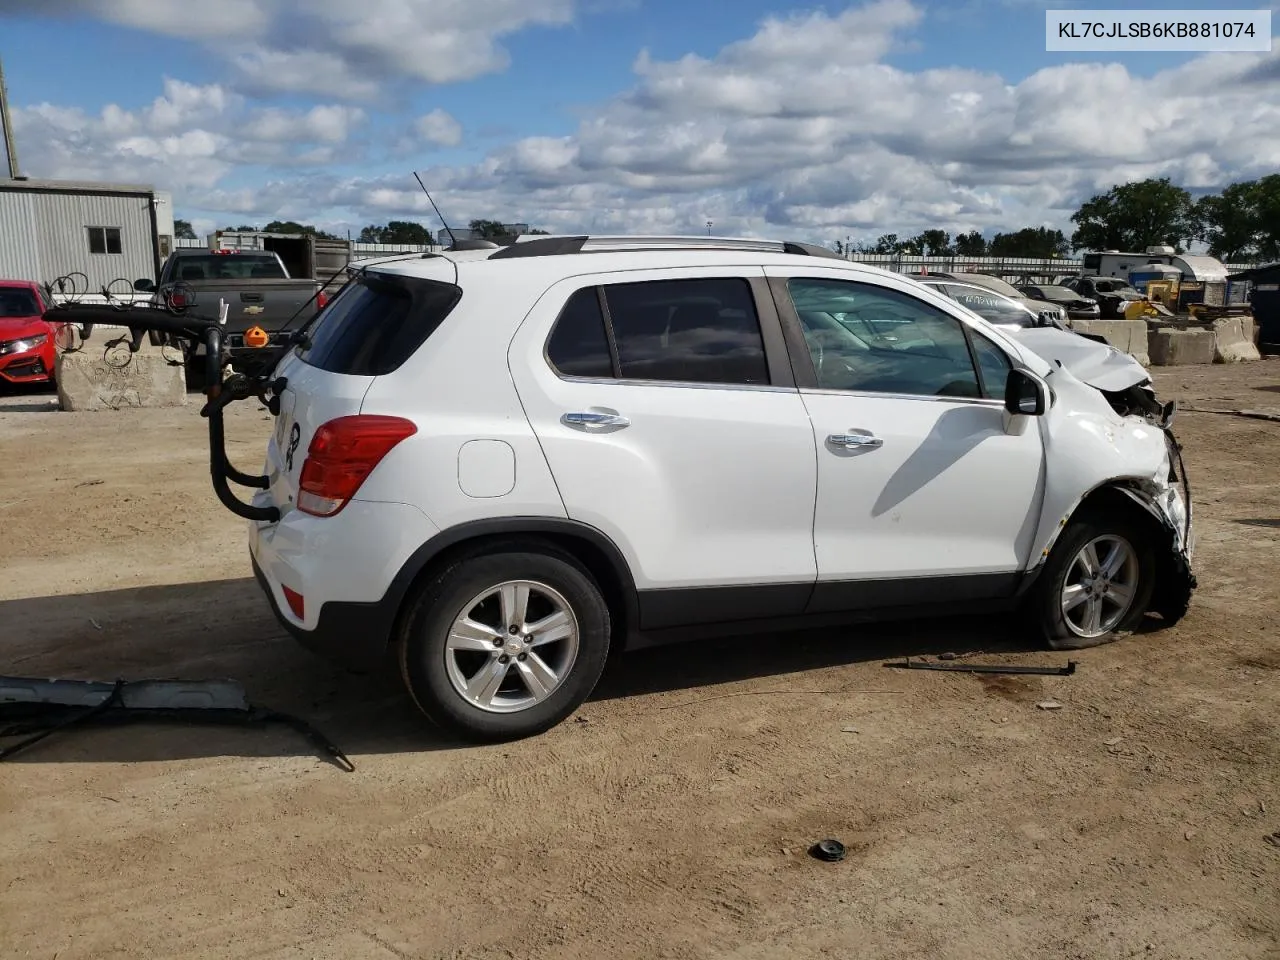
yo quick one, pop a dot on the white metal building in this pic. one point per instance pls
(50, 228)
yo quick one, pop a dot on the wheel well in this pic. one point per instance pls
(1110, 499)
(1174, 580)
(614, 584)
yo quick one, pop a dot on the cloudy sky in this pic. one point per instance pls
(767, 117)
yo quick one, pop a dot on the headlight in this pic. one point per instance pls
(22, 346)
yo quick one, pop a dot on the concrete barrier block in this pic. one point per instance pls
(1128, 336)
(88, 380)
(1178, 347)
(1232, 343)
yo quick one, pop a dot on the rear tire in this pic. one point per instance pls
(505, 645)
(1097, 583)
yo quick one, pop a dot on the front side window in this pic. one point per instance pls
(993, 363)
(872, 339)
(703, 330)
(104, 240)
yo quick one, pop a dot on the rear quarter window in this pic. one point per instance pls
(377, 323)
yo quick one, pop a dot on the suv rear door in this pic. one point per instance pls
(666, 408)
(922, 494)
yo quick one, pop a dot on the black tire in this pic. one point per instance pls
(1045, 606)
(422, 650)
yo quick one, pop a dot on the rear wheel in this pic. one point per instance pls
(1097, 583)
(505, 645)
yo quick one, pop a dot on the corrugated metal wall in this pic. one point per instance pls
(62, 222)
(19, 259)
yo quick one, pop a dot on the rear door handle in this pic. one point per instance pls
(854, 441)
(593, 418)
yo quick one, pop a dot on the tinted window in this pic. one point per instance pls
(17, 303)
(377, 323)
(229, 266)
(578, 346)
(867, 338)
(990, 306)
(104, 239)
(993, 363)
(699, 331)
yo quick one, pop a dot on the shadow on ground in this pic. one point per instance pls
(225, 630)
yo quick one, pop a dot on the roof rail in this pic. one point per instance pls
(559, 246)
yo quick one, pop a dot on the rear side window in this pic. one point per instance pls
(703, 330)
(694, 331)
(377, 323)
(579, 346)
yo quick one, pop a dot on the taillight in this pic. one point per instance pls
(341, 456)
(321, 299)
(178, 299)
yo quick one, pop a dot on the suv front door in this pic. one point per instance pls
(923, 495)
(666, 408)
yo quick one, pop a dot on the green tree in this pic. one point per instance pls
(488, 229)
(183, 230)
(1134, 216)
(406, 231)
(1029, 242)
(1268, 200)
(292, 226)
(397, 231)
(934, 243)
(887, 243)
(971, 244)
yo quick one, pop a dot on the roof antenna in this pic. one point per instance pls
(452, 238)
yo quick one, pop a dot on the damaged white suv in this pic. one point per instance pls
(498, 464)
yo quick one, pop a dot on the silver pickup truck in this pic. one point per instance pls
(255, 286)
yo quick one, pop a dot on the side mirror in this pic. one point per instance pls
(144, 285)
(1024, 395)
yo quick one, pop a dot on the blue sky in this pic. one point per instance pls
(542, 110)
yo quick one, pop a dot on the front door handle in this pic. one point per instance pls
(593, 418)
(854, 441)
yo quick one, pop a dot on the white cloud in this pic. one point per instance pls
(440, 128)
(801, 129)
(332, 48)
(188, 139)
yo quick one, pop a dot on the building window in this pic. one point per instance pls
(104, 239)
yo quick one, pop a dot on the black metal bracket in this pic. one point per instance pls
(144, 318)
(956, 666)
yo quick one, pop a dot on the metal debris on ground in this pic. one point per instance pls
(828, 850)
(1049, 705)
(37, 708)
(957, 667)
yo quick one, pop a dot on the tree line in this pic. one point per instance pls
(394, 231)
(1241, 223)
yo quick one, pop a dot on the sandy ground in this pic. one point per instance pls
(670, 818)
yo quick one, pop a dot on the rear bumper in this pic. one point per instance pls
(344, 568)
(353, 635)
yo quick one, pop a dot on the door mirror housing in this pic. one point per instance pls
(1025, 395)
(144, 285)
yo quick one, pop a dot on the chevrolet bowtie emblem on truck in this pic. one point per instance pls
(254, 310)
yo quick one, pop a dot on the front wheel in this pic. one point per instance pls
(505, 645)
(1097, 583)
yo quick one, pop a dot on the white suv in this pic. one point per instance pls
(498, 464)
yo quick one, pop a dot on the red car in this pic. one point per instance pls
(28, 342)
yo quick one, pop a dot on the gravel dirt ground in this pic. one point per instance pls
(671, 816)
